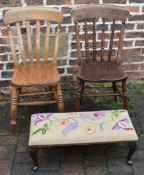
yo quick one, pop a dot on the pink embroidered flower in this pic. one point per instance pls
(90, 130)
(99, 114)
(122, 125)
(64, 122)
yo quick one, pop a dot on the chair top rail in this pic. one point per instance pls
(95, 11)
(32, 13)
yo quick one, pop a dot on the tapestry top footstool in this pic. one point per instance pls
(49, 129)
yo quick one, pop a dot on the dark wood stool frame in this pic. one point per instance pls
(33, 152)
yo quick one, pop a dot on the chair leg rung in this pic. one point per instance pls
(101, 95)
(35, 94)
(36, 103)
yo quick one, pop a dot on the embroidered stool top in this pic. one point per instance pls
(81, 127)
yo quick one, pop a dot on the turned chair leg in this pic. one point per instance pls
(53, 95)
(60, 102)
(33, 152)
(114, 90)
(78, 96)
(81, 92)
(132, 149)
(14, 101)
(124, 91)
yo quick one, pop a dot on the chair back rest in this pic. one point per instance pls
(20, 20)
(99, 34)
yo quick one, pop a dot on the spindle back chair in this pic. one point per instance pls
(32, 64)
(96, 42)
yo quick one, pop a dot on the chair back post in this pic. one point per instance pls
(12, 46)
(121, 39)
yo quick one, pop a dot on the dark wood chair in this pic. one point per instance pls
(31, 69)
(99, 49)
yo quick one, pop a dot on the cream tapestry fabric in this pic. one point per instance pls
(81, 128)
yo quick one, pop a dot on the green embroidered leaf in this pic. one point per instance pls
(46, 126)
(101, 126)
(44, 131)
(115, 113)
(37, 131)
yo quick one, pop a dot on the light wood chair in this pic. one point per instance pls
(99, 49)
(31, 69)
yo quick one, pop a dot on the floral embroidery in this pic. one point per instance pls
(43, 130)
(83, 116)
(64, 122)
(100, 114)
(116, 113)
(41, 117)
(70, 127)
(90, 130)
(43, 123)
(122, 124)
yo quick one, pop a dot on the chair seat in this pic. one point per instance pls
(101, 71)
(35, 74)
(81, 127)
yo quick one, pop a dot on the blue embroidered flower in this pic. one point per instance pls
(41, 117)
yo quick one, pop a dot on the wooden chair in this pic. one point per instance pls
(96, 42)
(31, 69)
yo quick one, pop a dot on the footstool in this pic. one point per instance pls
(94, 127)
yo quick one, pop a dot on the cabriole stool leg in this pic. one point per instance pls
(33, 152)
(132, 149)
(124, 91)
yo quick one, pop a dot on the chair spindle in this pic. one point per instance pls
(55, 55)
(29, 41)
(94, 39)
(78, 43)
(21, 42)
(38, 41)
(102, 39)
(111, 41)
(86, 42)
(47, 42)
